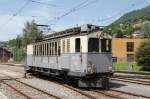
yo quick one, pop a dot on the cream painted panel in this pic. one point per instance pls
(30, 49)
(84, 41)
(72, 44)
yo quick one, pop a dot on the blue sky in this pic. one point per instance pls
(99, 12)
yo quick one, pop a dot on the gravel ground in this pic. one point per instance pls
(33, 93)
(54, 88)
(98, 95)
(10, 93)
(2, 96)
(131, 87)
(60, 90)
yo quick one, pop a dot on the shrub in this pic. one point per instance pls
(143, 55)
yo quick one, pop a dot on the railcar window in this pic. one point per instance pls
(34, 50)
(49, 49)
(105, 45)
(40, 49)
(55, 48)
(44, 49)
(68, 45)
(77, 44)
(52, 48)
(93, 45)
(59, 48)
(63, 45)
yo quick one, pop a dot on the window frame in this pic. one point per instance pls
(130, 46)
(77, 47)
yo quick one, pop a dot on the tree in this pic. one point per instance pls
(143, 55)
(146, 29)
(116, 30)
(30, 33)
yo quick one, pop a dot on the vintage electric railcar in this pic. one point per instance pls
(81, 53)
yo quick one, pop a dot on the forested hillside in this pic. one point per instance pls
(129, 23)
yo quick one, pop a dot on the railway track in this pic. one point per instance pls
(92, 94)
(98, 94)
(25, 90)
(132, 75)
(136, 96)
(107, 94)
(132, 80)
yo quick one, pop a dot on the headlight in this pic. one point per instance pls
(89, 69)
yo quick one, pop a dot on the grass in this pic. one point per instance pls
(124, 66)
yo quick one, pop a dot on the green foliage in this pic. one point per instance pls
(143, 55)
(146, 29)
(30, 33)
(125, 25)
(123, 66)
(120, 30)
(18, 54)
(4, 44)
(135, 16)
(18, 45)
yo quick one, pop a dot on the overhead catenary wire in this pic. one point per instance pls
(43, 3)
(120, 12)
(14, 15)
(76, 8)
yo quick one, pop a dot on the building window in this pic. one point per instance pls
(114, 59)
(68, 45)
(130, 57)
(77, 44)
(130, 46)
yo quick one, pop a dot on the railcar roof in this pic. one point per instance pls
(80, 30)
(74, 31)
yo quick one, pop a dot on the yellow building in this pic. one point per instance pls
(124, 49)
